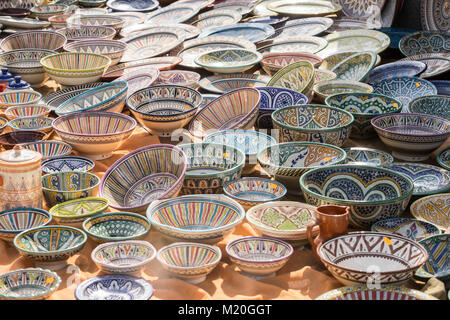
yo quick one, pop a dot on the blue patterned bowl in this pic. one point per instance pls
(14, 221)
(228, 60)
(410, 228)
(396, 69)
(64, 186)
(364, 107)
(50, 246)
(215, 216)
(434, 105)
(424, 42)
(372, 193)
(62, 164)
(443, 158)
(49, 149)
(367, 156)
(314, 123)
(437, 266)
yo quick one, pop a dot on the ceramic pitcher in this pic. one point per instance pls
(332, 221)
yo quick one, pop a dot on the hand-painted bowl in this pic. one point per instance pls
(95, 135)
(65, 163)
(396, 69)
(87, 33)
(259, 257)
(49, 149)
(377, 293)
(41, 124)
(274, 62)
(224, 82)
(434, 209)
(412, 136)
(10, 139)
(18, 98)
(163, 109)
(116, 226)
(14, 221)
(356, 67)
(74, 212)
(59, 21)
(210, 166)
(179, 77)
(367, 156)
(64, 186)
(437, 266)
(114, 22)
(372, 193)
(434, 105)
(442, 86)
(410, 228)
(191, 262)
(123, 257)
(74, 68)
(324, 89)
(364, 107)
(45, 11)
(286, 162)
(314, 123)
(354, 257)
(50, 246)
(144, 175)
(332, 60)
(323, 75)
(108, 97)
(113, 49)
(443, 158)
(236, 109)
(424, 42)
(207, 98)
(39, 110)
(35, 39)
(228, 60)
(215, 216)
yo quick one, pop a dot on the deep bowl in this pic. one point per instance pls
(74, 212)
(274, 62)
(228, 60)
(14, 221)
(113, 49)
(48, 40)
(18, 98)
(41, 124)
(49, 149)
(433, 105)
(67, 163)
(438, 248)
(381, 293)
(87, 33)
(10, 139)
(39, 110)
(434, 209)
(410, 228)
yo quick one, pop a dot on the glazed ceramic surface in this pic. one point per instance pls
(253, 32)
(274, 21)
(333, 59)
(131, 18)
(367, 156)
(42, 124)
(361, 9)
(410, 228)
(48, 40)
(10, 139)
(27, 111)
(273, 62)
(225, 82)
(14, 221)
(59, 21)
(345, 23)
(425, 42)
(55, 99)
(243, 7)
(187, 31)
(87, 33)
(217, 18)
(303, 8)
(176, 13)
(18, 98)
(324, 89)
(228, 60)
(65, 163)
(160, 63)
(140, 78)
(179, 77)
(49, 149)
(308, 44)
(43, 12)
(433, 209)
(432, 105)
(382, 293)
(133, 5)
(396, 69)
(437, 63)
(356, 67)
(443, 158)
(438, 256)
(114, 49)
(434, 15)
(96, 20)
(303, 27)
(28, 23)
(74, 212)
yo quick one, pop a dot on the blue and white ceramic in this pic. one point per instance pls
(425, 42)
(253, 32)
(434, 105)
(396, 69)
(437, 266)
(367, 156)
(67, 163)
(411, 228)
(443, 87)
(396, 34)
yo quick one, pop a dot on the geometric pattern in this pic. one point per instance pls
(438, 263)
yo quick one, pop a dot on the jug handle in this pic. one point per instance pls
(309, 232)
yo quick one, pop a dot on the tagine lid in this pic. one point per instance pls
(20, 155)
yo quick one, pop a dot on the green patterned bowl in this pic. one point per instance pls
(356, 67)
(74, 212)
(432, 104)
(324, 89)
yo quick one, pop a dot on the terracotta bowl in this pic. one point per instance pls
(14, 221)
(10, 139)
(27, 111)
(18, 98)
(87, 33)
(48, 40)
(113, 49)
(49, 149)
(382, 293)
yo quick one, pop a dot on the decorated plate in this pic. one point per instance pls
(140, 78)
(396, 34)
(303, 8)
(425, 42)
(225, 82)
(361, 8)
(161, 63)
(433, 105)
(334, 59)
(303, 27)
(133, 5)
(253, 32)
(443, 158)
(25, 23)
(410, 228)
(131, 18)
(132, 31)
(53, 100)
(344, 23)
(298, 44)
(176, 13)
(356, 67)
(367, 157)
(396, 69)
(434, 15)
(217, 18)
(201, 4)
(437, 63)
(241, 7)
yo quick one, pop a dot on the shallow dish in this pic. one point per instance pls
(55, 99)
(49, 149)
(217, 18)
(133, 5)
(432, 105)
(303, 8)
(27, 111)
(41, 124)
(48, 40)
(113, 49)
(356, 67)
(18, 98)
(253, 32)
(367, 156)
(228, 60)
(274, 62)
(332, 60)
(437, 63)
(179, 77)
(410, 228)
(396, 69)
(14, 221)
(66, 163)
(74, 212)
(283, 45)
(226, 82)
(424, 42)
(175, 13)
(10, 139)
(382, 293)
(45, 11)
(27, 23)
(324, 89)
(303, 27)
(443, 158)
(87, 33)
(96, 20)
(131, 19)
(438, 256)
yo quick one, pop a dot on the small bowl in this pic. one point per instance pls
(41, 124)
(123, 257)
(179, 77)
(37, 39)
(49, 149)
(324, 89)
(87, 33)
(74, 212)
(34, 284)
(45, 11)
(203, 259)
(95, 135)
(294, 125)
(434, 209)
(396, 69)
(219, 216)
(38, 244)
(110, 21)
(59, 21)
(443, 158)
(412, 136)
(377, 293)
(10, 139)
(433, 105)
(228, 60)
(356, 67)
(438, 248)
(64, 163)
(259, 257)
(274, 62)
(18, 98)
(14, 221)
(225, 82)
(39, 110)
(113, 49)
(323, 75)
(116, 226)
(64, 186)
(367, 156)
(409, 228)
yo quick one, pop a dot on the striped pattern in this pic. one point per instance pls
(75, 61)
(50, 40)
(27, 111)
(255, 189)
(113, 49)
(383, 293)
(438, 248)
(49, 149)
(189, 255)
(18, 98)
(259, 249)
(14, 221)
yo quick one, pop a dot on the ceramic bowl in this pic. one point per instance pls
(412, 136)
(228, 60)
(10, 139)
(367, 156)
(74, 212)
(410, 228)
(116, 226)
(351, 257)
(364, 107)
(41, 124)
(442, 86)
(381, 293)
(113, 49)
(37, 39)
(356, 67)
(225, 82)
(3, 124)
(139, 79)
(259, 257)
(191, 262)
(49, 149)
(210, 166)
(144, 175)
(59, 21)
(236, 109)
(274, 62)
(18, 98)
(433, 209)
(424, 42)
(299, 43)
(87, 33)
(372, 193)
(95, 135)
(396, 69)
(75, 68)
(323, 75)
(286, 162)
(207, 98)
(114, 287)
(179, 77)
(50, 246)
(307, 123)
(162, 109)
(123, 257)
(437, 264)
(14, 221)
(45, 11)
(433, 105)
(285, 220)
(324, 89)
(332, 60)
(443, 158)
(91, 3)
(39, 110)
(64, 186)
(114, 22)
(65, 163)
(108, 97)
(216, 216)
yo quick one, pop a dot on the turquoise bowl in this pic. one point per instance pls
(14, 221)
(433, 104)
(437, 266)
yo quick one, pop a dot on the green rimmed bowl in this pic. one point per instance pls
(432, 104)
(356, 67)
(324, 89)
(228, 60)
(74, 212)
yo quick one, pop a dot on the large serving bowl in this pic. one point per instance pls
(210, 166)
(14, 221)
(434, 209)
(116, 226)
(372, 193)
(74, 68)
(45, 11)
(191, 262)
(18, 98)
(74, 212)
(367, 156)
(39, 110)
(352, 258)
(286, 162)
(228, 60)
(144, 175)
(324, 89)
(10, 139)
(113, 49)
(412, 136)
(64, 186)
(364, 107)
(437, 266)
(236, 109)
(48, 40)
(50, 246)
(381, 293)
(314, 123)
(274, 62)
(41, 124)
(49, 149)
(198, 218)
(410, 228)
(164, 108)
(87, 33)
(434, 105)
(95, 134)
(66, 163)
(108, 97)
(259, 257)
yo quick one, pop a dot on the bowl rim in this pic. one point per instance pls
(57, 7)
(269, 55)
(402, 64)
(61, 217)
(84, 159)
(373, 61)
(18, 34)
(417, 100)
(61, 31)
(403, 220)
(229, 194)
(272, 239)
(51, 142)
(8, 211)
(118, 45)
(381, 152)
(439, 158)
(47, 120)
(46, 111)
(443, 237)
(37, 98)
(358, 85)
(70, 70)
(290, 67)
(257, 59)
(422, 81)
(79, 245)
(45, 189)
(115, 20)
(413, 208)
(357, 202)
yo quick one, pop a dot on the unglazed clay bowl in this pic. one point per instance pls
(367, 156)
(381, 293)
(372, 193)
(438, 248)
(410, 228)
(95, 135)
(39, 110)
(274, 62)
(67, 163)
(10, 139)
(228, 60)
(48, 40)
(216, 216)
(74, 212)
(49, 149)
(14, 221)
(113, 49)
(434, 209)
(41, 124)
(18, 98)
(87, 33)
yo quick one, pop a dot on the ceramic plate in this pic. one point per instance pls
(443, 158)
(261, 10)
(332, 60)
(367, 157)
(241, 7)
(303, 27)
(274, 21)
(133, 5)
(356, 67)
(174, 14)
(139, 78)
(437, 63)
(434, 15)
(226, 82)
(53, 100)
(428, 179)
(24, 23)
(217, 18)
(131, 18)
(396, 34)
(298, 44)
(303, 8)
(425, 42)
(396, 69)
(161, 63)
(188, 30)
(344, 23)
(253, 32)
(411, 228)
(361, 8)
(201, 4)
